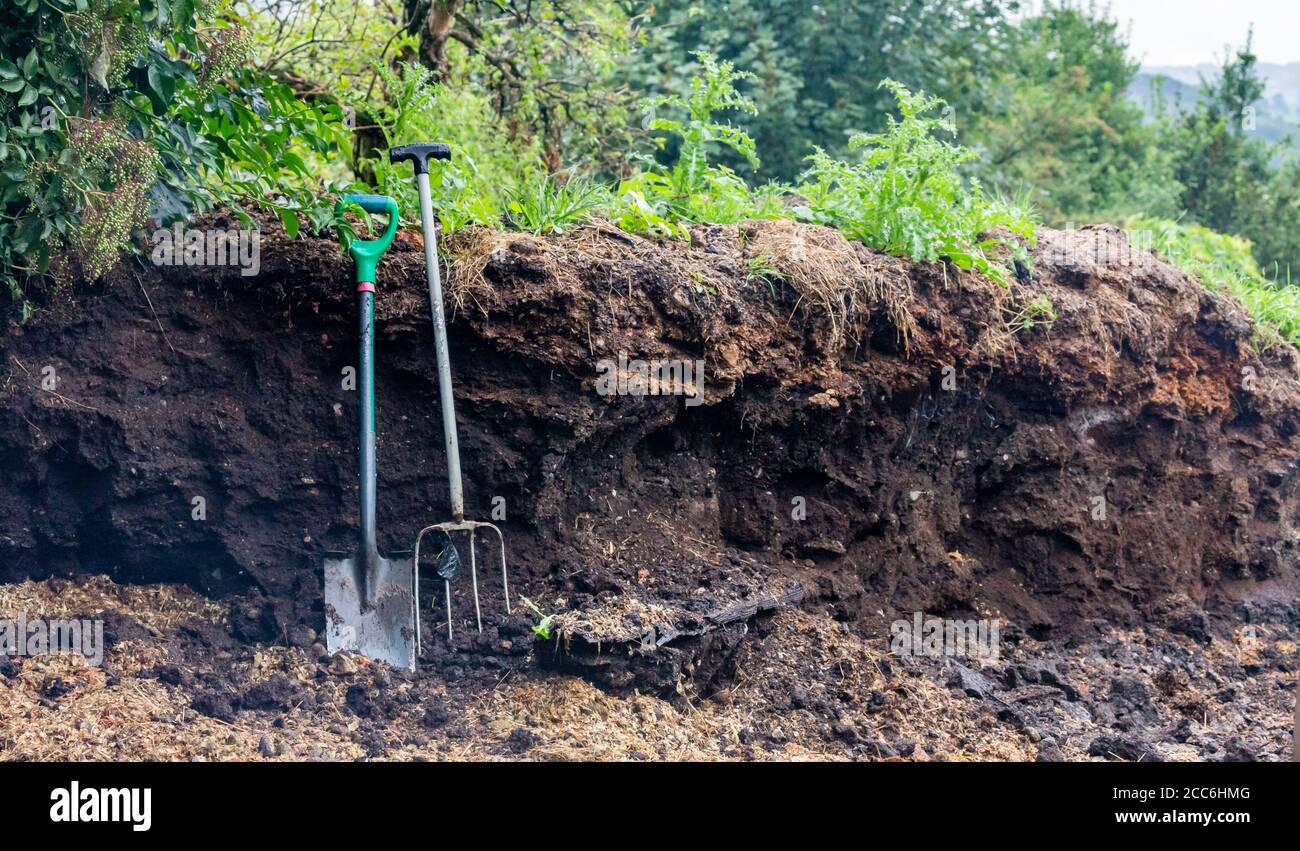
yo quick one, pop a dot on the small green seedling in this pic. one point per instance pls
(1039, 312)
(543, 627)
(761, 268)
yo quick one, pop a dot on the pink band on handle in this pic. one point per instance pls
(366, 287)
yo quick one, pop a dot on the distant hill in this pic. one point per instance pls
(1278, 112)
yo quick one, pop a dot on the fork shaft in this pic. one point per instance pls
(447, 403)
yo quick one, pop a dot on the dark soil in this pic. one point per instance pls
(1132, 465)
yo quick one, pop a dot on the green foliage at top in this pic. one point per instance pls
(476, 185)
(493, 181)
(1225, 263)
(815, 65)
(544, 69)
(547, 205)
(119, 112)
(712, 91)
(490, 179)
(250, 142)
(113, 112)
(906, 195)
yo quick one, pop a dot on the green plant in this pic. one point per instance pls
(1037, 313)
(547, 205)
(636, 214)
(761, 268)
(543, 627)
(475, 186)
(1226, 264)
(659, 199)
(906, 194)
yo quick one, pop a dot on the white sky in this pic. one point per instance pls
(1187, 32)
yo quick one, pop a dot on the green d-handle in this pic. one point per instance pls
(366, 252)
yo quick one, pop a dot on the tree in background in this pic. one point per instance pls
(549, 65)
(1236, 182)
(815, 66)
(1219, 163)
(1057, 124)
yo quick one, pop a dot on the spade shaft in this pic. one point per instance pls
(368, 548)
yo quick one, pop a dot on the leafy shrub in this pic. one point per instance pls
(1226, 264)
(112, 113)
(253, 141)
(906, 194)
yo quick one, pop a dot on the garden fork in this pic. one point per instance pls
(448, 561)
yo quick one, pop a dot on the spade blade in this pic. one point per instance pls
(382, 628)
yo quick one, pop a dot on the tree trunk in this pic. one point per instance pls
(434, 34)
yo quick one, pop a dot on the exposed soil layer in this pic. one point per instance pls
(872, 438)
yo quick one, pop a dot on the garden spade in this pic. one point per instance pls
(419, 155)
(370, 599)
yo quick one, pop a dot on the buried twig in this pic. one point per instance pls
(149, 302)
(69, 401)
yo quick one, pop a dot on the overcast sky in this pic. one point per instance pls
(1187, 32)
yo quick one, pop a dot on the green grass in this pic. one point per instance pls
(547, 205)
(1225, 264)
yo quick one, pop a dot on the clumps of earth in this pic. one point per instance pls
(1111, 480)
(804, 686)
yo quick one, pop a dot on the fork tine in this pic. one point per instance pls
(446, 584)
(505, 581)
(473, 572)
